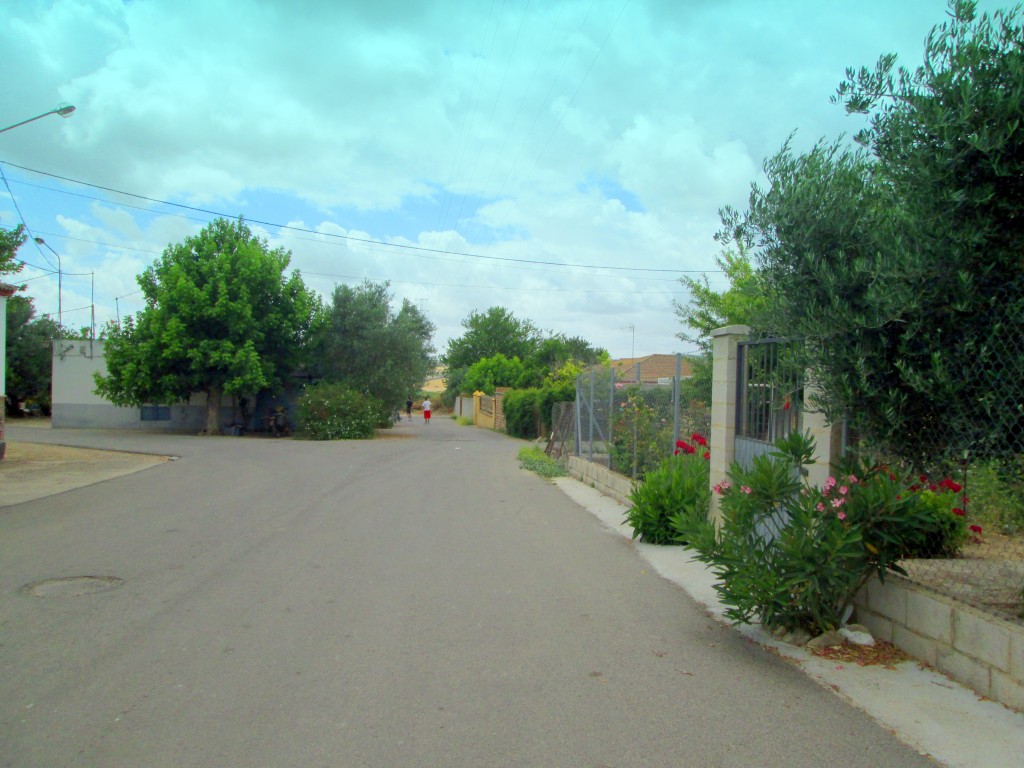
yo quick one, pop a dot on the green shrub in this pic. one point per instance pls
(670, 496)
(328, 411)
(521, 413)
(534, 459)
(793, 556)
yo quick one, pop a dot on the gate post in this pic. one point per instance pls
(724, 382)
(828, 439)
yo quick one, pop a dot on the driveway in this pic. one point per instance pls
(416, 601)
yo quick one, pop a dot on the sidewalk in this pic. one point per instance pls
(927, 710)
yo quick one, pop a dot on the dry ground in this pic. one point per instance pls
(32, 470)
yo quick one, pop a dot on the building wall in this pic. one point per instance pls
(75, 404)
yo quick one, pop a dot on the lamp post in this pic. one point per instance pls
(60, 281)
(64, 110)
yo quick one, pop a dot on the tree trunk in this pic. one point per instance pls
(213, 396)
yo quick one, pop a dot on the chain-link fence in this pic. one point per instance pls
(630, 419)
(973, 453)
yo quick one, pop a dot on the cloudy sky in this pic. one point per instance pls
(565, 159)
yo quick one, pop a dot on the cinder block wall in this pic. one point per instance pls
(603, 479)
(979, 650)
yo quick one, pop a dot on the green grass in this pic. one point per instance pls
(535, 460)
(463, 421)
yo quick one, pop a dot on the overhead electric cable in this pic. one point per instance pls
(351, 238)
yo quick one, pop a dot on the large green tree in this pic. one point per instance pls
(28, 354)
(221, 317)
(363, 343)
(496, 331)
(900, 262)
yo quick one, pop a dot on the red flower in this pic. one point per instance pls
(707, 454)
(958, 512)
(974, 528)
(684, 447)
(786, 404)
(949, 485)
(698, 439)
(923, 478)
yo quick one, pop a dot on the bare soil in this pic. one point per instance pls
(33, 470)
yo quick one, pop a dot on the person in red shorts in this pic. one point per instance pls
(426, 411)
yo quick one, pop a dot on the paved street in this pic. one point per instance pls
(414, 601)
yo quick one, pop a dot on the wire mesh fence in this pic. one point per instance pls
(973, 460)
(630, 419)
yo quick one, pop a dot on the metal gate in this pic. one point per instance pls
(769, 397)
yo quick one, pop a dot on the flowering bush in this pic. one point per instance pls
(335, 412)
(679, 489)
(794, 556)
(641, 430)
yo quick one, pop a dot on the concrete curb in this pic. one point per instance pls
(930, 712)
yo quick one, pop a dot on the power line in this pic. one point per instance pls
(351, 238)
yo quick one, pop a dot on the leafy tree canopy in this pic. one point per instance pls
(496, 331)
(10, 241)
(362, 343)
(221, 317)
(28, 353)
(744, 302)
(491, 372)
(899, 262)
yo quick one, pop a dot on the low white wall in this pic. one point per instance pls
(464, 407)
(603, 479)
(75, 404)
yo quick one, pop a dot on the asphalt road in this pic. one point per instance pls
(398, 602)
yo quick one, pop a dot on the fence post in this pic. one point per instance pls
(828, 439)
(676, 382)
(724, 377)
(577, 419)
(590, 458)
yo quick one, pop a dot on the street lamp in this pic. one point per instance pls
(64, 110)
(60, 315)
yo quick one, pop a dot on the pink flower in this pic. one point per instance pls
(841, 515)
(820, 507)
(830, 484)
(746, 489)
(852, 479)
(837, 503)
(843, 490)
(722, 487)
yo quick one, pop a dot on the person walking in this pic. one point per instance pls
(408, 408)
(426, 411)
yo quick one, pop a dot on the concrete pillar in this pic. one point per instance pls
(724, 345)
(828, 439)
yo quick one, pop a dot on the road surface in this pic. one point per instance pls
(416, 601)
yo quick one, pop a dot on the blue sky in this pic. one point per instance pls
(446, 146)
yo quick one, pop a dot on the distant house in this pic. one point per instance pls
(654, 369)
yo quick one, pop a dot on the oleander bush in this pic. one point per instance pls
(329, 411)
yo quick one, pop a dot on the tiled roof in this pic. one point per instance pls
(652, 367)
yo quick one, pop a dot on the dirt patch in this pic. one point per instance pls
(33, 470)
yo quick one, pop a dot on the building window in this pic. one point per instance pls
(156, 413)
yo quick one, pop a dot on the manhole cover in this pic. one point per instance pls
(72, 586)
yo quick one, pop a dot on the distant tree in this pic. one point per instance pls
(28, 353)
(490, 372)
(221, 317)
(363, 344)
(496, 331)
(554, 355)
(744, 302)
(10, 241)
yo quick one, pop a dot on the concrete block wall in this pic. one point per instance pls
(603, 479)
(981, 651)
